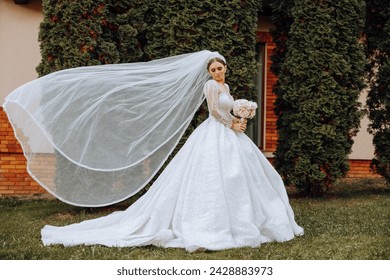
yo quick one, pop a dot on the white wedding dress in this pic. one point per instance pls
(218, 192)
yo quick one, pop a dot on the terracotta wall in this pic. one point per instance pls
(360, 169)
(270, 80)
(14, 179)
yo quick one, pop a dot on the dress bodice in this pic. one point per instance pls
(225, 102)
(219, 101)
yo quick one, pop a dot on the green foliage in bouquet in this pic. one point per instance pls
(320, 64)
(378, 101)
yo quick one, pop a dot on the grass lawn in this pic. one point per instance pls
(352, 222)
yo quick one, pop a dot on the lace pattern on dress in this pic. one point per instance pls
(223, 115)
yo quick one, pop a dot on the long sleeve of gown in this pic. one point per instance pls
(212, 96)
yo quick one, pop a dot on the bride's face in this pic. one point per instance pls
(217, 71)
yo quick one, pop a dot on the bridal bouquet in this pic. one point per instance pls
(244, 109)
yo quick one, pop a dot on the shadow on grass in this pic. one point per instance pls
(348, 188)
(360, 187)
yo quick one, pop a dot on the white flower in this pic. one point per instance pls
(244, 109)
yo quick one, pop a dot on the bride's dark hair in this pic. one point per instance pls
(215, 59)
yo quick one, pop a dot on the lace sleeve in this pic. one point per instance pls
(212, 96)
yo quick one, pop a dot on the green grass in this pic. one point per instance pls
(352, 222)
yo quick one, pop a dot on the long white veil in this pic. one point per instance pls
(96, 135)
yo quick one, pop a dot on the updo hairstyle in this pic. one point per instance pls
(215, 59)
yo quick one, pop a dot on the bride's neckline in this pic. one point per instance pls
(223, 86)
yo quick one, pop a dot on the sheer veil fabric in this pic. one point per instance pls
(96, 135)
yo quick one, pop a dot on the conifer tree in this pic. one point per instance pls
(378, 101)
(282, 19)
(89, 32)
(320, 70)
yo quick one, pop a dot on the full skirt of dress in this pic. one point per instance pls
(218, 192)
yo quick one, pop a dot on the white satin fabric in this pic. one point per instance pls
(218, 192)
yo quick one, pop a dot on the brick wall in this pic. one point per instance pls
(271, 134)
(14, 179)
(360, 169)
(270, 80)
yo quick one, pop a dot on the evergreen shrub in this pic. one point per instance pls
(319, 62)
(89, 32)
(378, 100)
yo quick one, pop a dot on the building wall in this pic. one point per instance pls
(14, 179)
(363, 147)
(19, 48)
(19, 55)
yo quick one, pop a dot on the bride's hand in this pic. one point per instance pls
(239, 120)
(238, 126)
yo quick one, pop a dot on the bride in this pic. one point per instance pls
(218, 192)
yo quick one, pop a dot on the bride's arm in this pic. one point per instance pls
(212, 97)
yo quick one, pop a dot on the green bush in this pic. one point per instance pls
(82, 33)
(282, 20)
(378, 101)
(319, 63)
